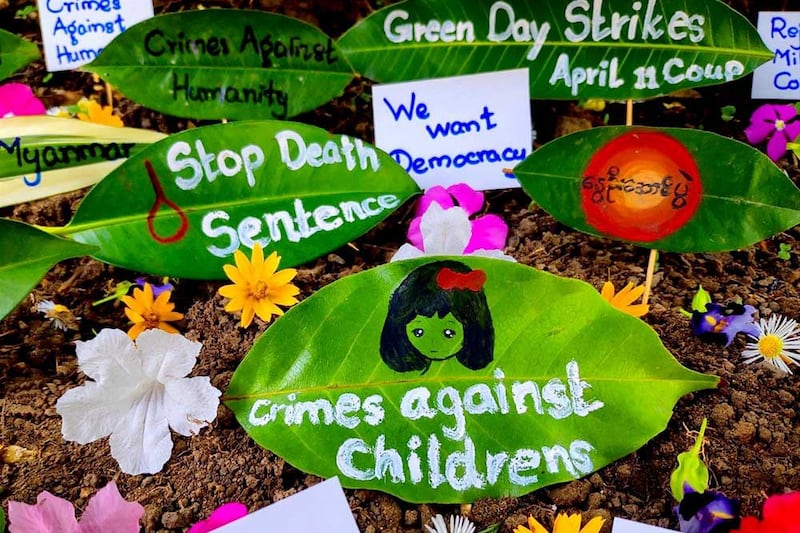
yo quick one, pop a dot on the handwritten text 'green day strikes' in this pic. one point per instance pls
(584, 21)
(294, 223)
(425, 457)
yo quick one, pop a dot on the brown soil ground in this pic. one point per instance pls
(752, 445)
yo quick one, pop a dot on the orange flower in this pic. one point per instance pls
(564, 524)
(94, 112)
(257, 288)
(148, 313)
(623, 300)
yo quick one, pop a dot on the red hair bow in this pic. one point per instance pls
(448, 280)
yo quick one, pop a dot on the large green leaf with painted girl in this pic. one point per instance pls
(456, 379)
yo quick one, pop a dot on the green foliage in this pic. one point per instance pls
(15, 53)
(785, 251)
(325, 353)
(185, 218)
(245, 65)
(691, 469)
(386, 47)
(25, 12)
(701, 298)
(727, 112)
(745, 197)
(28, 253)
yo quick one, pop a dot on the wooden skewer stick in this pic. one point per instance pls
(110, 94)
(651, 261)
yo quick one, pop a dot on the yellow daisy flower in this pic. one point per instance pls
(91, 111)
(623, 300)
(148, 313)
(564, 524)
(257, 288)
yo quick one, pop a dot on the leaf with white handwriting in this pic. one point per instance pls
(614, 49)
(183, 205)
(452, 380)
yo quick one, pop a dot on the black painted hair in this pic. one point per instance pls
(420, 294)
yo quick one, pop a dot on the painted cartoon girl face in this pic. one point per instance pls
(436, 337)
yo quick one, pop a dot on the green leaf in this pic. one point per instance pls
(691, 469)
(2, 520)
(745, 198)
(785, 251)
(330, 349)
(224, 63)
(727, 112)
(183, 205)
(28, 253)
(700, 299)
(15, 53)
(708, 43)
(51, 155)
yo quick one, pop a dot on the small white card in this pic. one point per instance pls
(74, 33)
(627, 526)
(780, 78)
(323, 507)
(461, 129)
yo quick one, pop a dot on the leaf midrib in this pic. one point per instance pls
(71, 230)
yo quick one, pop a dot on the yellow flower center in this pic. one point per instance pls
(151, 319)
(770, 346)
(261, 290)
(780, 125)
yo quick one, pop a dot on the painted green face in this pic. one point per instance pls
(436, 337)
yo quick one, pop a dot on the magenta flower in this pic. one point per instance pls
(777, 121)
(18, 100)
(489, 232)
(224, 514)
(106, 511)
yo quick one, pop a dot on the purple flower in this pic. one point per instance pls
(721, 324)
(706, 512)
(777, 121)
(489, 232)
(157, 289)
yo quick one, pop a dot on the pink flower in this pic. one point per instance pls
(106, 511)
(780, 516)
(224, 514)
(775, 120)
(17, 100)
(489, 232)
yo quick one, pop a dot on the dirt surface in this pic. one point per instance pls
(752, 444)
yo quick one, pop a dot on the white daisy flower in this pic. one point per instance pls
(60, 316)
(458, 524)
(778, 343)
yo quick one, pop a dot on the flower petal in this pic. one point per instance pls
(222, 515)
(414, 234)
(92, 411)
(594, 525)
(109, 357)
(489, 232)
(165, 356)
(759, 130)
(445, 231)
(628, 294)
(468, 198)
(108, 511)
(436, 194)
(190, 404)
(248, 312)
(51, 514)
(607, 292)
(243, 265)
(141, 443)
(406, 251)
(776, 146)
(784, 112)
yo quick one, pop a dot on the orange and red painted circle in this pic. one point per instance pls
(641, 186)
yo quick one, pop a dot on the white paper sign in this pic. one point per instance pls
(461, 129)
(780, 78)
(74, 33)
(323, 507)
(626, 526)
